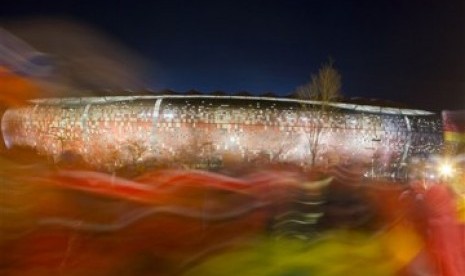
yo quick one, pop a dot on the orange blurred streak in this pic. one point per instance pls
(16, 90)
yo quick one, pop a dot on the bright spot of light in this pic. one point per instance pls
(446, 169)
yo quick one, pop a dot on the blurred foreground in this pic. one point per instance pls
(279, 220)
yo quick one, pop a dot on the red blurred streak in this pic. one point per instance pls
(167, 237)
(445, 239)
(161, 187)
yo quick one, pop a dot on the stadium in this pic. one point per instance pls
(208, 130)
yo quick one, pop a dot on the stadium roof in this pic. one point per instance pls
(342, 105)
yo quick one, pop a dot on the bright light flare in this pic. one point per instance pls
(446, 169)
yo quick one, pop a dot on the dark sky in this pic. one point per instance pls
(407, 51)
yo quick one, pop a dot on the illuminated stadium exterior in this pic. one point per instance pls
(111, 132)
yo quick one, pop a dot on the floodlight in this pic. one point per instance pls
(446, 169)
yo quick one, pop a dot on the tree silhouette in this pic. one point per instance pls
(324, 88)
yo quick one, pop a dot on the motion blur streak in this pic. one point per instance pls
(136, 216)
(65, 58)
(15, 90)
(204, 223)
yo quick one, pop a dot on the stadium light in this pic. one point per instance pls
(446, 169)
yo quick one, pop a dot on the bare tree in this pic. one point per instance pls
(324, 88)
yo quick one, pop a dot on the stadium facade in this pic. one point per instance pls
(109, 132)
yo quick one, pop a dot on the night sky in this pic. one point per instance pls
(407, 51)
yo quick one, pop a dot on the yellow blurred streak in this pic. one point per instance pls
(402, 242)
(457, 184)
(461, 208)
(336, 253)
(452, 136)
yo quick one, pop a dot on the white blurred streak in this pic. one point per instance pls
(13, 51)
(82, 58)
